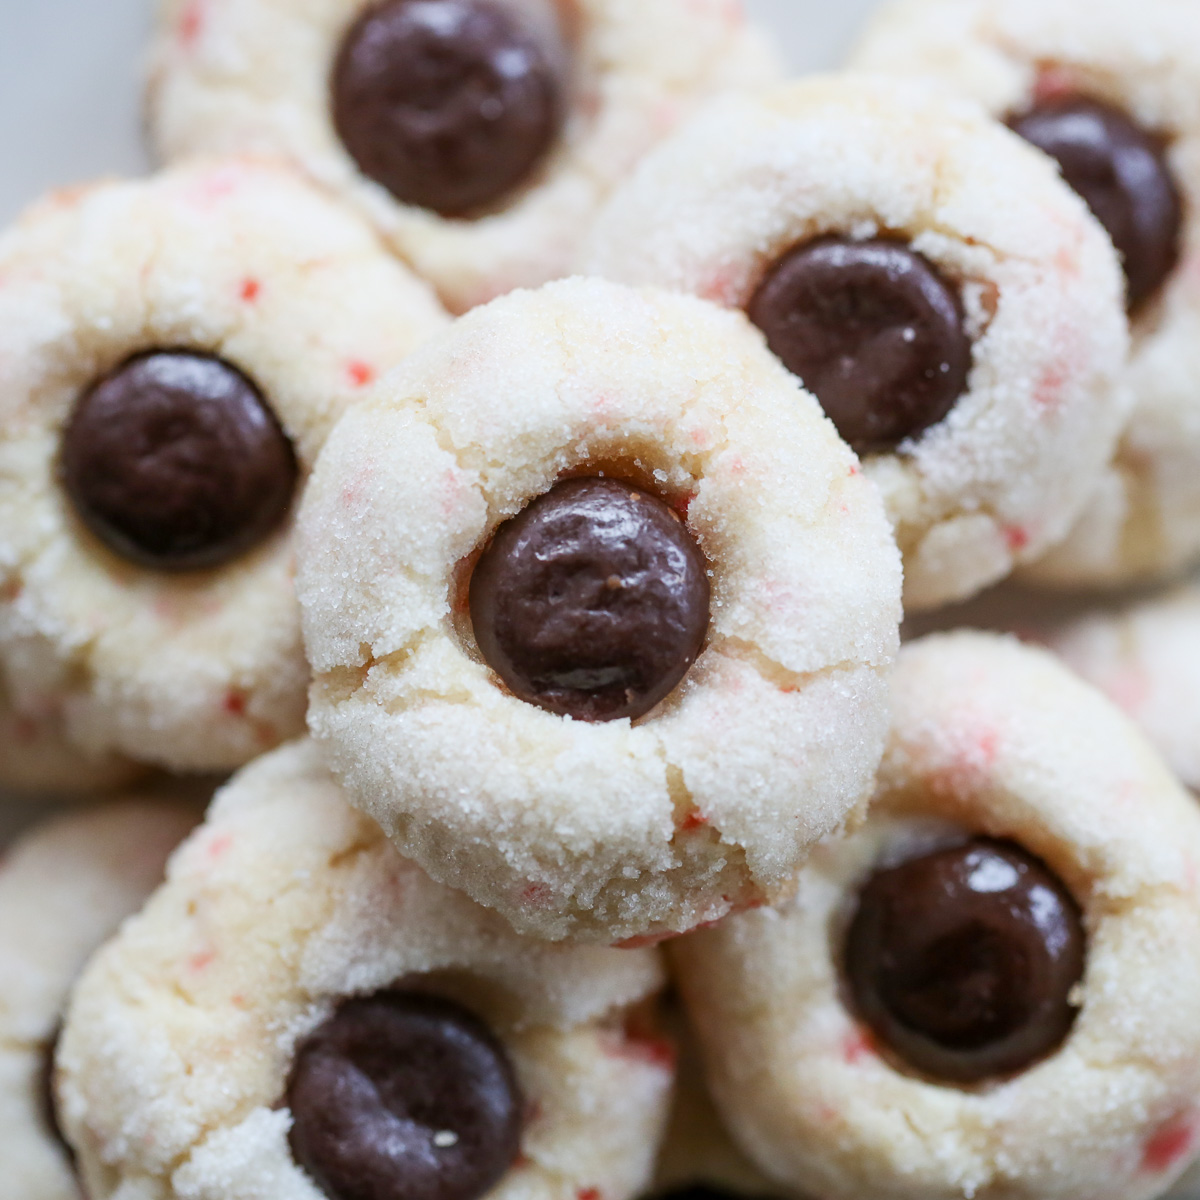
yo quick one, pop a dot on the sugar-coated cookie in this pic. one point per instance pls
(993, 986)
(172, 355)
(297, 993)
(480, 136)
(1146, 658)
(698, 1160)
(1112, 91)
(64, 889)
(600, 611)
(943, 295)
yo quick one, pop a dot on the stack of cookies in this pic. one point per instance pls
(502, 444)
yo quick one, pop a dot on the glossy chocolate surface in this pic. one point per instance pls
(963, 961)
(451, 105)
(593, 602)
(873, 331)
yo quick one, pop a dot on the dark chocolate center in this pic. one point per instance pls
(403, 1094)
(1121, 170)
(872, 330)
(175, 462)
(963, 960)
(449, 104)
(593, 602)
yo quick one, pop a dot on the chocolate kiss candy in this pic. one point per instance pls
(175, 462)
(403, 1094)
(449, 104)
(963, 961)
(872, 330)
(593, 602)
(1121, 171)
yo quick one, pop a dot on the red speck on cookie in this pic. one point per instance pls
(360, 373)
(250, 291)
(219, 847)
(683, 504)
(640, 1046)
(1172, 1143)
(217, 185)
(234, 703)
(719, 288)
(1016, 537)
(537, 894)
(694, 820)
(1054, 83)
(589, 1194)
(1048, 393)
(988, 741)
(1128, 689)
(202, 960)
(1191, 873)
(191, 23)
(858, 1047)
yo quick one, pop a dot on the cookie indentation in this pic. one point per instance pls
(873, 331)
(175, 462)
(593, 602)
(404, 1094)
(1121, 170)
(448, 104)
(963, 961)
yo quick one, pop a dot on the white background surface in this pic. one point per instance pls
(70, 80)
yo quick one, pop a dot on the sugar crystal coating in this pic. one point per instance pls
(990, 739)
(613, 830)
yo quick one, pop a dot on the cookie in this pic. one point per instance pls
(698, 1159)
(172, 355)
(946, 299)
(37, 759)
(1146, 658)
(1110, 90)
(480, 136)
(570, 583)
(993, 985)
(64, 889)
(299, 1012)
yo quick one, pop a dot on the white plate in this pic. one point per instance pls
(70, 73)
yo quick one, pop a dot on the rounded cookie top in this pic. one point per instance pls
(949, 302)
(1109, 90)
(480, 136)
(1145, 657)
(64, 889)
(448, 536)
(875, 1035)
(172, 354)
(289, 947)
